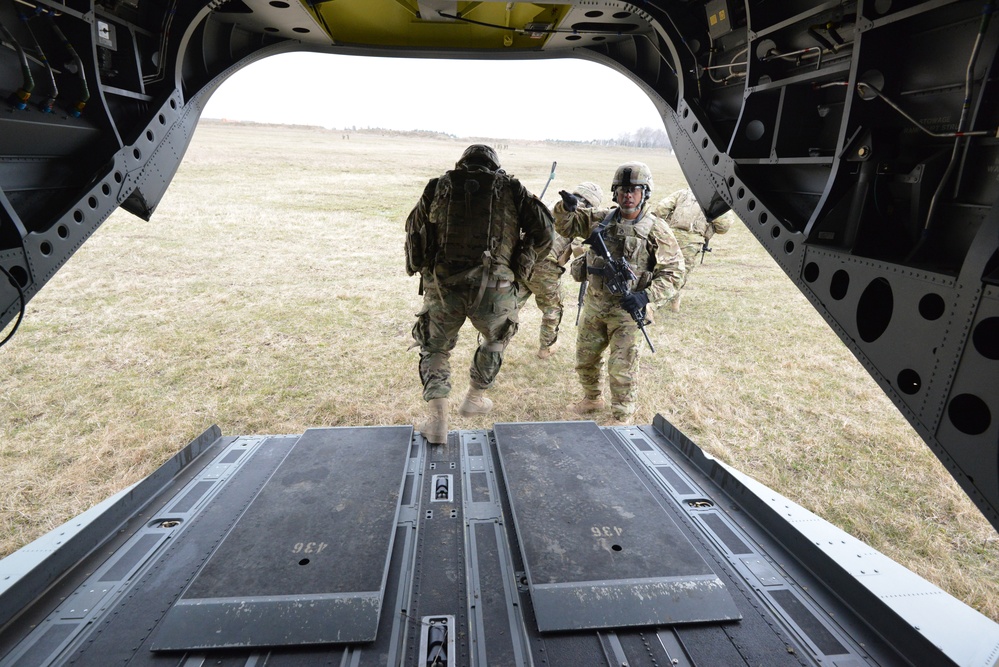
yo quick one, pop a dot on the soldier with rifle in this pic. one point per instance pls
(633, 261)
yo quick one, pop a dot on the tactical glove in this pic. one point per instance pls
(569, 200)
(634, 301)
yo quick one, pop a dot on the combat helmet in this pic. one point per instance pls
(633, 173)
(591, 192)
(479, 155)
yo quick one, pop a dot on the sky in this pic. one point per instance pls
(467, 98)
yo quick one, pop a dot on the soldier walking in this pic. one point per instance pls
(633, 233)
(692, 229)
(546, 281)
(475, 232)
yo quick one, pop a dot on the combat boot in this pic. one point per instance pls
(618, 421)
(475, 403)
(434, 429)
(546, 351)
(588, 405)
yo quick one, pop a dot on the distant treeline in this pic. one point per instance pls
(645, 137)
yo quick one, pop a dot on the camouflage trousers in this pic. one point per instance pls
(546, 286)
(604, 325)
(690, 246)
(437, 326)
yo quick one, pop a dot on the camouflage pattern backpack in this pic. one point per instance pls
(462, 213)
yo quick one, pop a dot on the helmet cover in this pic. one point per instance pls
(631, 174)
(479, 155)
(591, 192)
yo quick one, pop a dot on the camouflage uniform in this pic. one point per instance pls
(546, 282)
(691, 228)
(484, 293)
(440, 319)
(654, 255)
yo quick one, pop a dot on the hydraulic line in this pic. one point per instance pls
(732, 74)
(940, 135)
(164, 41)
(77, 108)
(807, 52)
(49, 102)
(23, 93)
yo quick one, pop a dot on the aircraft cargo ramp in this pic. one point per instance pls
(558, 543)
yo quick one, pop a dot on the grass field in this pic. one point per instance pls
(268, 295)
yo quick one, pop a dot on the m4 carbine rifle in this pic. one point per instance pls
(617, 274)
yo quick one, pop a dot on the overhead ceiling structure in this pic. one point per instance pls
(856, 140)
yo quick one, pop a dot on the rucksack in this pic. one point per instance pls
(462, 213)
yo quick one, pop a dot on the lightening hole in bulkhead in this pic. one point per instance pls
(874, 310)
(839, 285)
(19, 274)
(932, 306)
(969, 414)
(909, 381)
(811, 272)
(985, 338)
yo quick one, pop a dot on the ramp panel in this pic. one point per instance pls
(299, 566)
(599, 549)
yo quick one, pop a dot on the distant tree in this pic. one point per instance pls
(645, 137)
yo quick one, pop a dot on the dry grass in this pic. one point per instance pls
(268, 295)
